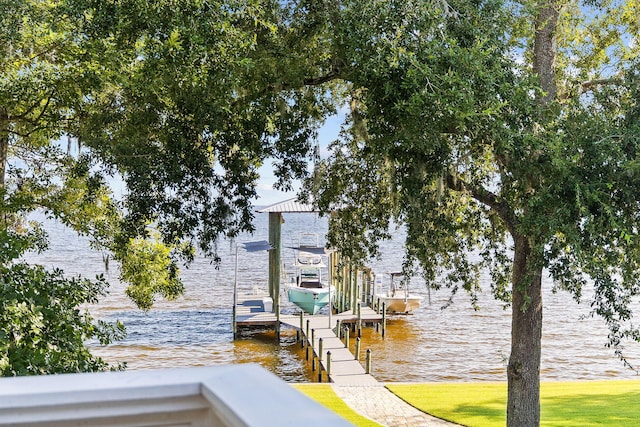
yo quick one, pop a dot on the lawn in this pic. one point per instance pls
(584, 404)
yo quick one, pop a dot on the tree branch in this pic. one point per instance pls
(485, 197)
(333, 74)
(24, 115)
(590, 85)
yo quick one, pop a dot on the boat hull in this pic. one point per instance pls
(309, 300)
(400, 305)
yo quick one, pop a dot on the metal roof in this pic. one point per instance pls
(291, 205)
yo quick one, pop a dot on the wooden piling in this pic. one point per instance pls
(359, 320)
(301, 320)
(346, 337)
(329, 365)
(357, 353)
(275, 233)
(354, 289)
(384, 318)
(320, 349)
(367, 368)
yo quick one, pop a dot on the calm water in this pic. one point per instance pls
(456, 344)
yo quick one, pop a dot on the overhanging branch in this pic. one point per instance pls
(333, 74)
(485, 197)
(590, 85)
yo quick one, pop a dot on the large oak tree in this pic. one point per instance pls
(183, 101)
(501, 129)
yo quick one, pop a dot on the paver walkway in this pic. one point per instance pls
(384, 407)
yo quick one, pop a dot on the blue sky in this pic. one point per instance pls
(267, 195)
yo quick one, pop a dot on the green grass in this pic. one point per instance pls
(324, 394)
(584, 404)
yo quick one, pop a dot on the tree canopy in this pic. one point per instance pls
(500, 129)
(183, 101)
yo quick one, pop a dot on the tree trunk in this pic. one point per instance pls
(4, 150)
(544, 48)
(523, 372)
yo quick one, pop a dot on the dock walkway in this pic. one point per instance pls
(345, 369)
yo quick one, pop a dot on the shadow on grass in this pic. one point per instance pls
(490, 410)
(591, 409)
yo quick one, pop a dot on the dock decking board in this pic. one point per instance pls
(345, 370)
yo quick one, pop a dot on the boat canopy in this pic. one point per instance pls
(315, 250)
(261, 245)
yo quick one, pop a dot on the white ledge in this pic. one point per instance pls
(235, 395)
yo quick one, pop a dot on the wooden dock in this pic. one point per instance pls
(344, 369)
(250, 311)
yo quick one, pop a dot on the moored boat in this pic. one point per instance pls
(397, 299)
(307, 289)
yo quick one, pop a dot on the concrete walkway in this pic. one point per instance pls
(379, 404)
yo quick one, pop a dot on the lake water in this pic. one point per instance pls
(455, 344)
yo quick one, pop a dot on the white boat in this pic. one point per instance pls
(397, 299)
(307, 289)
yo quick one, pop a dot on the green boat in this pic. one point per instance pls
(308, 290)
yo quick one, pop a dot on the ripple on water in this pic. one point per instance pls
(456, 344)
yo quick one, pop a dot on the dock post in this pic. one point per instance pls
(329, 366)
(320, 349)
(306, 335)
(235, 322)
(319, 372)
(313, 363)
(346, 337)
(357, 348)
(338, 328)
(235, 299)
(384, 318)
(354, 290)
(301, 320)
(306, 353)
(278, 322)
(359, 321)
(313, 340)
(301, 330)
(367, 368)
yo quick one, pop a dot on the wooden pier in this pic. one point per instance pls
(253, 310)
(344, 369)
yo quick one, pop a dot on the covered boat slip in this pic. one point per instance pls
(343, 278)
(349, 287)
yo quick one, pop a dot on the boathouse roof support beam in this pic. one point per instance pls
(275, 233)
